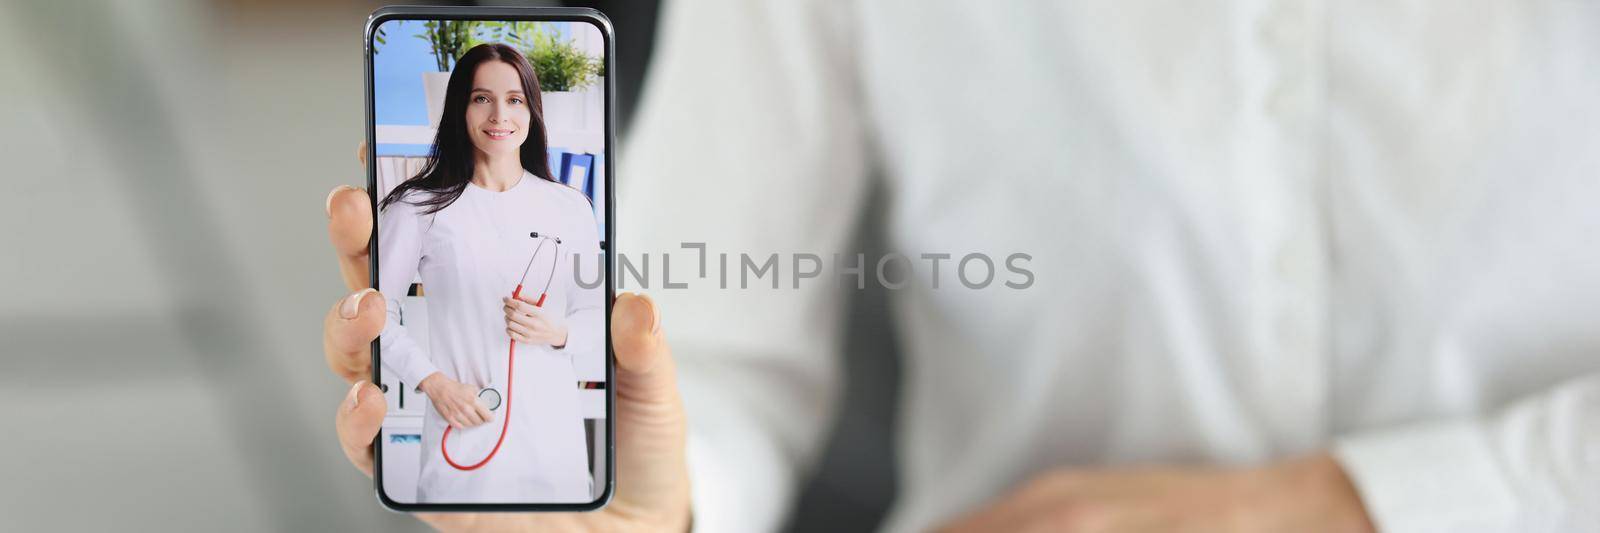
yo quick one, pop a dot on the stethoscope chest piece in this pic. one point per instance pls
(489, 398)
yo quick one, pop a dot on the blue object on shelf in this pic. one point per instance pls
(577, 173)
(555, 162)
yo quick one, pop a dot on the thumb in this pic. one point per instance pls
(636, 334)
(651, 427)
(360, 414)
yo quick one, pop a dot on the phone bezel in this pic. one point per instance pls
(540, 14)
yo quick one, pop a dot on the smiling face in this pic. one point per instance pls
(497, 111)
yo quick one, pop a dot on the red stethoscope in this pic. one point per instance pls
(489, 395)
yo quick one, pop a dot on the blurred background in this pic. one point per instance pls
(168, 270)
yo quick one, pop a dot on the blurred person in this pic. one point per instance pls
(1299, 266)
(463, 224)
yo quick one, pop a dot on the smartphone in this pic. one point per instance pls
(489, 132)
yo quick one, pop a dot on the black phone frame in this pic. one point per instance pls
(536, 14)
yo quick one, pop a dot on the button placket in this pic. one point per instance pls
(1295, 358)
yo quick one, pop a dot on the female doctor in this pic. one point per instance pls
(465, 225)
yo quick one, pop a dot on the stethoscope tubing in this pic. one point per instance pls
(511, 355)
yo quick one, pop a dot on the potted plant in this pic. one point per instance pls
(561, 66)
(565, 72)
(448, 40)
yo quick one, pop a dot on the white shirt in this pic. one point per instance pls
(1258, 229)
(471, 254)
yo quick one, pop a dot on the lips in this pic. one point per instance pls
(499, 134)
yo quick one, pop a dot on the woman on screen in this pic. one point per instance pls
(483, 218)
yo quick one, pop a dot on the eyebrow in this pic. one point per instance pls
(483, 90)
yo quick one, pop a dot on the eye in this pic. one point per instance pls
(480, 99)
(516, 100)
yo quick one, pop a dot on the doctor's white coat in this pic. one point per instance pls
(470, 255)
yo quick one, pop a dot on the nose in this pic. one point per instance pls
(497, 112)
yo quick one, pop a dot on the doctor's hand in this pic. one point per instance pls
(1309, 494)
(652, 492)
(455, 401)
(530, 324)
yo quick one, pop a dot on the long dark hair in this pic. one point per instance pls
(450, 162)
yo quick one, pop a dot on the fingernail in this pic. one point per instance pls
(352, 303)
(353, 398)
(327, 205)
(655, 314)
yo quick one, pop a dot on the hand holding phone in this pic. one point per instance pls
(491, 188)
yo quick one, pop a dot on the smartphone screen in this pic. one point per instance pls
(489, 137)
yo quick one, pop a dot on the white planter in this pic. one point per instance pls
(563, 110)
(576, 120)
(433, 89)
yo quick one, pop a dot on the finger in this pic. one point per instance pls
(456, 419)
(636, 338)
(467, 403)
(472, 412)
(525, 315)
(650, 418)
(350, 229)
(357, 422)
(484, 413)
(521, 322)
(520, 306)
(348, 331)
(514, 316)
(1055, 497)
(999, 517)
(517, 328)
